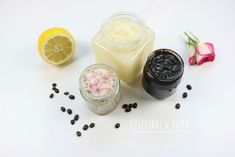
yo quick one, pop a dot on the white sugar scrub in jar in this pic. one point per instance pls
(100, 87)
(124, 43)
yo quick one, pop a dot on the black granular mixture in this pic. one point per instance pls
(165, 66)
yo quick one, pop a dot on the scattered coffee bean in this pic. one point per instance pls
(135, 105)
(54, 84)
(189, 87)
(51, 95)
(78, 133)
(177, 106)
(63, 109)
(69, 111)
(130, 105)
(128, 109)
(54, 88)
(117, 125)
(185, 94)
(57, 91)
(72, 122)
(92, 125)
(76, 117)
(85, 127)
(71, 97)
(124, 106)
(66, 93)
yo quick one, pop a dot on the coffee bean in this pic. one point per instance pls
(71, 97)
(177, 106)
(130, 105)
(72, 122)
(117, 125)
(189, 87)
(185, 94)
(135, 105)
(54, 84)
(92, 125)
(57, 91)
(66, 93)
(63, 109)
(51, 95)
(69, 111)
(76, 117)
(78, 133)
(85, 127)
(128, 109)
(54, 88)
(124, 106)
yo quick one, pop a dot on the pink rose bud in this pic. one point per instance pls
(192, 57)
(199, 52)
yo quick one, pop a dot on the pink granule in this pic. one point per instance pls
(98, 81)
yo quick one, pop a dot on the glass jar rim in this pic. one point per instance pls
(150, 57)
(87, 95)
(130, 15)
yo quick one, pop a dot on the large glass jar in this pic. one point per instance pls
(124, 42)
(100, 87)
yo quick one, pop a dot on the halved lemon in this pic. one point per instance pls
(56, 46)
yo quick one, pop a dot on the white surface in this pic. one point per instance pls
(32, 125)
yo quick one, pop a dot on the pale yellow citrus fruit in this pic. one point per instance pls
(56, 46)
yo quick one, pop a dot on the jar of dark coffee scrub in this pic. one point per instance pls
(162, 73)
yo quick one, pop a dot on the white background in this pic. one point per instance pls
(32, 125)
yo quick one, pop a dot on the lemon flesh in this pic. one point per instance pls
(56, 46)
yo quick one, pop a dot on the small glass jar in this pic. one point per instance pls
(162, 73)
(124, 42)
(100, 87)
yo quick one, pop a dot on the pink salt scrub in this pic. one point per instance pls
(98, 81)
